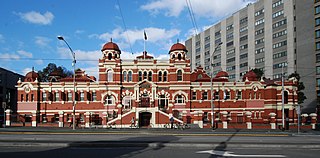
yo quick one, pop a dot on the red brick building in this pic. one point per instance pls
(151, 91)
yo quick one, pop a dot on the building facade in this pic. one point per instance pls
(150, 92)
(268, 35)
(8, 93)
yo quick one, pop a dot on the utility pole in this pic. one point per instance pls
(282, 97)
(211, 86)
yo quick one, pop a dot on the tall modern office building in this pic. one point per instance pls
(272, 35)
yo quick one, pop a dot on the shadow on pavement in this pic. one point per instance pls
(89, 149)
(223, 145)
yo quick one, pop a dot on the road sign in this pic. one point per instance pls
(298, 110)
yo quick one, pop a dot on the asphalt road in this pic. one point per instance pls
(145, 143)
(141, 152)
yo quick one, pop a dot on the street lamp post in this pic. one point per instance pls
(211, 85)
(74, 82)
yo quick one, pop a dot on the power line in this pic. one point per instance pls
(125, 26)
(192, 17)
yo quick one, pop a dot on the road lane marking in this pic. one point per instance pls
(230, 154)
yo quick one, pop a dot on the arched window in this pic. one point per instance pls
(125, 76)
(140, 76)
(216, 95)
(179, 75)
(179, 57)
(173, 56)
(179, 99)
(163, 101)
(110, 76)
(109, 56)
(109, 100)
(226, 95)
(160, 76)
(286, 97)
(165, 76)
(150, 76)
(129, 76)
(145, 75)
(127, 102)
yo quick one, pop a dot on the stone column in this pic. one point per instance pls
(273, 120)
(61, 118)
(200, 122)
(248, 120)
(8, 117)
(104, 119)
(304, 119)
(34, 119)
(313, 120)
(87, 114)
(224, 119)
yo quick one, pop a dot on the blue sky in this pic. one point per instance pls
(29, 29)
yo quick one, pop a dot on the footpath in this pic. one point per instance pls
(201, 138)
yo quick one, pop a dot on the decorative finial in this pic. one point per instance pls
(178, 40)
(32, 69)
(111, 39)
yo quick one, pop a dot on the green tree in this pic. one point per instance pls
(44, 74)
(258, 72)
(301, 87)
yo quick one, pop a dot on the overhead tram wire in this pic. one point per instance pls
(125, 26)
(192, 18)
(192, 12)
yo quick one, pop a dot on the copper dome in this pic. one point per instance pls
(178, 46)
(110, 46)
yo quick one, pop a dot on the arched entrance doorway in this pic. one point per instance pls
(144, 119)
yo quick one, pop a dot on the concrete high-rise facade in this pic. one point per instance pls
(272, 35)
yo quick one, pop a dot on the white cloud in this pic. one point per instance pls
(42, 41)
(79, 31)
(89, 57)
(92, 71)
(25, 71)
(37, 18)
(171, 7)
(129, 56)
(39, 62)
(201, 8)
(154, 35)
(23, 53)
(9, 56)
(1, 38)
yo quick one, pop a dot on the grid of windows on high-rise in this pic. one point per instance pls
(318, 70)
(242, 56)
(279, 55)
(243, 20)
(279, 34)
(258, 32)
(277, 14)
(276, 4)
(279, 23)
(317, 33)
(229, 27)
(242, 29)
(259, 12)
(317, 9)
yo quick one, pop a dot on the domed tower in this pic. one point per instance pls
(178, 52)
(250, 76)
(110, 51)
(31, 76)
(222, 76)
(110, 63)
